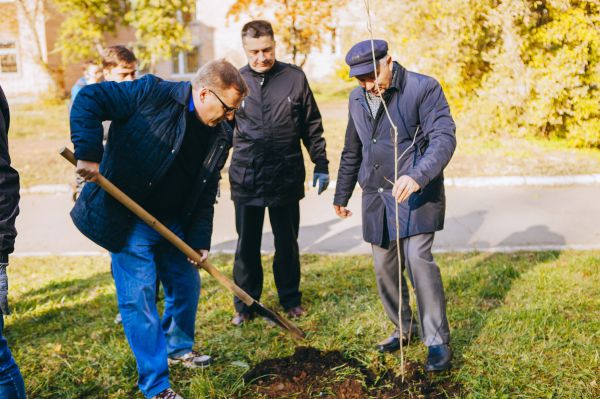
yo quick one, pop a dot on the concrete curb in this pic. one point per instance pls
(47, 189)
(515, 181)
(494, 181)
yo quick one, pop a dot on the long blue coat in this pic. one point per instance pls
(368, 157)
(148, 125)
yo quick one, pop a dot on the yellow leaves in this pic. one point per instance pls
(507, 67)
(302, 25)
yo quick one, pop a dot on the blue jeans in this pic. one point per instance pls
(145, 256)
(11, 381)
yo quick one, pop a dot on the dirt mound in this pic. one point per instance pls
(310, 373)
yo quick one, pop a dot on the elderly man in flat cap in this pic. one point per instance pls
(426, 141)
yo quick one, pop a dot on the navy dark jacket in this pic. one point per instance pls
(9, 186)
(148, 125)
(280, 113)
(413, 101)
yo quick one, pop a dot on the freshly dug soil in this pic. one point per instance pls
(310, 373)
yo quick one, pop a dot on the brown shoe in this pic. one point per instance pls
(240, 318)
(296, 312)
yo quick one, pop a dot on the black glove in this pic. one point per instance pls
(322, 179)
(4, 289)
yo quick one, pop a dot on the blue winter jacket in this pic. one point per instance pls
(148, 125)
(413, 100)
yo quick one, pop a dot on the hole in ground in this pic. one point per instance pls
(311, 373)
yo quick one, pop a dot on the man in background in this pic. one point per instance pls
(11, 381)
(92, 73)
(119, 64)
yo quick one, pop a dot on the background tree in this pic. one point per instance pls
(159, 26)
(302, 25)
(521, 67)
(82, 33)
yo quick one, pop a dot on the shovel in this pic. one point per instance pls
(130, 204)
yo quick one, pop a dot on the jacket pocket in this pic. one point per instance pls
(242, 175)
(293, 168)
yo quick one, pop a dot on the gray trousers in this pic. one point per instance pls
(426, 279)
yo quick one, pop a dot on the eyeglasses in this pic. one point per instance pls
(227, 108)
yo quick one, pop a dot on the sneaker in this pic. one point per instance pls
(118, 319)
(192, 360)
(167, 394)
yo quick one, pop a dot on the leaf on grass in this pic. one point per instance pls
(241, 364)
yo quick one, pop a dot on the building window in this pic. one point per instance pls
(186, 63)
(8, 57)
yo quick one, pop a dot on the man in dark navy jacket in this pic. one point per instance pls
(267, 167)
(11, 381)
(166, 145)
(425, 143)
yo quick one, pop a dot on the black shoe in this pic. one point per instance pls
(391, 344)
(240, 318)
(438, 358)
(296, 312)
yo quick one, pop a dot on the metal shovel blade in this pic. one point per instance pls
(265, 312)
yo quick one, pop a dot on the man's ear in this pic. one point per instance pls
(202, 93)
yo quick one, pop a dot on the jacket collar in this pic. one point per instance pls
(398, 83)
(182, 92)
(277, 68)
(398, 77)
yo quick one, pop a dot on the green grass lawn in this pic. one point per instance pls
(38, 131)
(524, 325)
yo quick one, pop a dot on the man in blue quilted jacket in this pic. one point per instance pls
(166, 145)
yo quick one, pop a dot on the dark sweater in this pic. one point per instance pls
(171, 193)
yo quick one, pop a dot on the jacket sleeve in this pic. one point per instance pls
(439, 130)
(100, 102)
(312, 131)
(9, 185)
(350, 162)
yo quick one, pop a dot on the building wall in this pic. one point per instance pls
(32, 80)
(202, 41)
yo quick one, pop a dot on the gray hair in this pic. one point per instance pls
(221, 75)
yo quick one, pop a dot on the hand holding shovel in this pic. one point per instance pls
(130, 204)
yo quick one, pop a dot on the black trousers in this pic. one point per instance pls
(247, 269)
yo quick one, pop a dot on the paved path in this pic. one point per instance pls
(486, 219)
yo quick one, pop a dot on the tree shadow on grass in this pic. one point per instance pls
(61, 291)
(474, 293)
(66, 344)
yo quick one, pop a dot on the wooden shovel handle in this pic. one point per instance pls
(140, 212)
